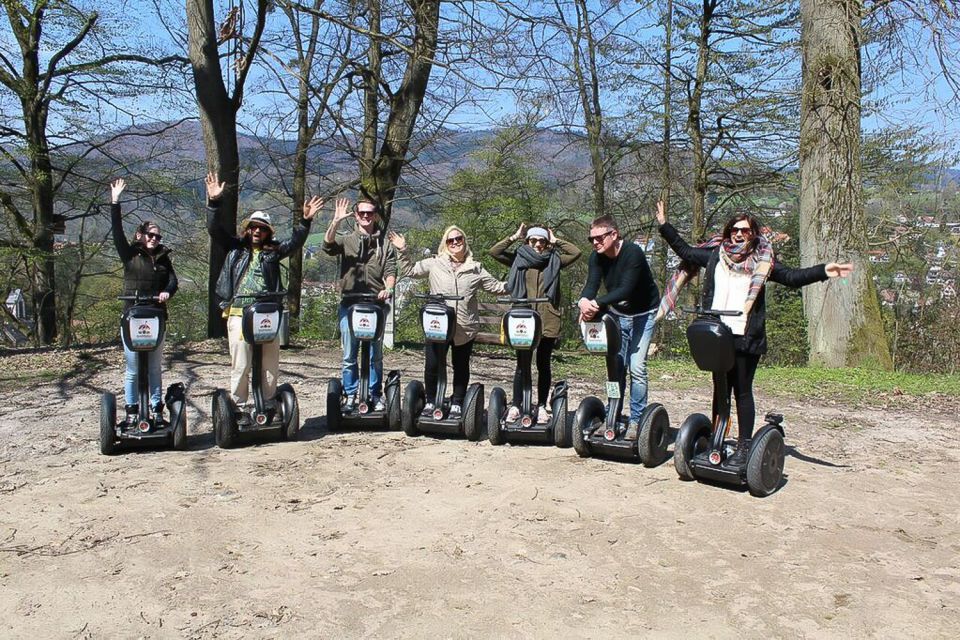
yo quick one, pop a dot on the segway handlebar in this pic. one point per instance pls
(436, 296)
(264, 295)
(522, 300)
(139, 298)
(710, 312)
(360, 296)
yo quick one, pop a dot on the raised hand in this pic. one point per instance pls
(552, 239)
(214, 186)
(521, 231)
(342, 210)
(116, 188)
(397, 240)
(312, 207)
(839, 270)
(661, 213)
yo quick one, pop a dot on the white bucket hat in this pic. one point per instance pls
(261, 218)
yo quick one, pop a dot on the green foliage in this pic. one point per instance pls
(318, 316)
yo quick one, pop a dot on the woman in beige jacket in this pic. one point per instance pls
(452, 272)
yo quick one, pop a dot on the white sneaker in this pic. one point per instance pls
(514, 414)
(427, 409)
(456, 411)
(379, 406)
(542, 416)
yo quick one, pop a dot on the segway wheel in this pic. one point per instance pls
(178, 413)
(561, 426)
(496, 408)
(108, 424)
(693, 438)
(412, 406)
(392, 396)
(473, 414)
(224, 420)
(590, 412)
(765, 464)
(654, 431)
(291, 412)
(334, 409)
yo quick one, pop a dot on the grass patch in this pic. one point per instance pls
(848, 384)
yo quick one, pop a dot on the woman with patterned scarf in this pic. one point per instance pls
(737, 265)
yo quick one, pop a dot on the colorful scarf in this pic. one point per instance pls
(754, 259)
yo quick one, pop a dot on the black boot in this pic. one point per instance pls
(158, 412)
(132, 411)
(740, 456)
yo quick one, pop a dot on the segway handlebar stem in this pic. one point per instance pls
(522, 300)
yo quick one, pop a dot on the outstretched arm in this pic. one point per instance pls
(124, 250)
(217, 231)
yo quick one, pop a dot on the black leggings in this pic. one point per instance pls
(461, 369)
(544, 375)
(740, 380)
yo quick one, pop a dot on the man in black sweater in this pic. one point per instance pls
(632, 298)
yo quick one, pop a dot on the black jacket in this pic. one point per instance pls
(631, 289)
(143, 272)
(754, 338)
(240, 250)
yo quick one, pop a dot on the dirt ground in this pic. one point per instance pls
(374, 534)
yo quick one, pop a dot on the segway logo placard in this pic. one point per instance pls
(364, 324)
(265, 326)
(520, 331)
(613, 389)
(594, 336)
(144, 332)
(435, 326)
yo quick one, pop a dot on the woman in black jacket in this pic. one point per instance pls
(147, 270)
(737, 263)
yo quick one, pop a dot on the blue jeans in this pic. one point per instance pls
(636, 333)
(351, 348)
(154, 362)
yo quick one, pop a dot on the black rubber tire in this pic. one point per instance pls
(561, 426)
(178, 436)
(334, 407)
(693, 438)
(765, 464)
(654, 432)
(412, 406)
(473, 417)
(108, 424)
(224, 421)
(291, 412)
(392, 397)
(496, 407)
(590, 411)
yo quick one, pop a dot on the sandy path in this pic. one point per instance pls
(380, 535)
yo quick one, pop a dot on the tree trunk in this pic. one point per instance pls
(695, 124)
(843, 317)
(665, 174)
(405, 106)
(218, 120)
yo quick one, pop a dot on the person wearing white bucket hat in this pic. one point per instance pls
(252, 265)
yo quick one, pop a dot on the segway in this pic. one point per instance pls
(142, 328)
(439, 323)
(521, 329)
(702, 449)
(596, 428)
(366, 321)
(260, 324)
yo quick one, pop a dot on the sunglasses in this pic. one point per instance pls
(537, 241)
(366, 213)
(260, 228)
(600, 238)
(455, 240)
(153, 236)
(743, 230)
